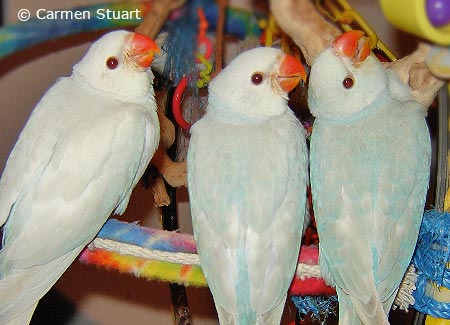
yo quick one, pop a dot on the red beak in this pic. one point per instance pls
(352, 44)
(290, 72)
(143, 50)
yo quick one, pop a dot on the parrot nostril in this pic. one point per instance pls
(348, 83)
(112, 63)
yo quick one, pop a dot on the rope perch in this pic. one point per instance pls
(169, 256)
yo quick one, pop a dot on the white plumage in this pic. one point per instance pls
(79, 156)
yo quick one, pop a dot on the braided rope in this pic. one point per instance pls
(404, 297)
(159, 246)
(141, 252)
(308, 271)
(303, 270)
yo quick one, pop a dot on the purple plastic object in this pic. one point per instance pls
(438, 12)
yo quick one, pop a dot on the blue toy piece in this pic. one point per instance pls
(431, 261)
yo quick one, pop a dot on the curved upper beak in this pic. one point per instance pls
(352, 44)
(143, 50)
(290, 72)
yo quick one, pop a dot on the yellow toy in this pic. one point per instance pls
(428, 19)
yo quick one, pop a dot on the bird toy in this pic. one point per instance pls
(428, 19)
(204, 76)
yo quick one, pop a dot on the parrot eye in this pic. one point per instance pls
(112, 63)
(257, 78)
(348, 83)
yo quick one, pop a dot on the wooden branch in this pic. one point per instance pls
(413, 71)
(313, 33)
(222, 7)
(160, 195)
(305, 25)
(175, 173)
(167, 130)
(156, 16)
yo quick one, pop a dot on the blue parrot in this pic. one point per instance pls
(370, 162)
(247, 178)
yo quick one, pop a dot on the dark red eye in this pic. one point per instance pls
(348, 83)
(257, 78)
(112, 63)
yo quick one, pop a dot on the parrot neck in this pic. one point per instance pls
(226, 114)
(138, 93)
(381, 103)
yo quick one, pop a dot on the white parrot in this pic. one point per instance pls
(79, 156)
(247, 179)
(370, 165)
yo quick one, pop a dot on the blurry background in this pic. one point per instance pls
(86, 294)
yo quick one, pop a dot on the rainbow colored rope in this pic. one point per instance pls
(131, 245)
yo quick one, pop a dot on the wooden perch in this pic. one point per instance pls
(413, 71)
(313, 33)
(175, 173)
(160, 195)
(167, 130)
(222, 6)
(156, 17)
(303, 23)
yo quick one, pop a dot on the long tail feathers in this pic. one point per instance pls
(272, 317)
(23, 318)
(21, 289)
(225, 318)
(354, 312)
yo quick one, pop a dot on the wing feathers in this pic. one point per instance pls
(243, 195)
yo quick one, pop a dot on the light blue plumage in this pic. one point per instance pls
(370, 159)
(247, 175)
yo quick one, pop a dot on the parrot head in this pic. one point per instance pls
(256, 83)
(345, 79)
(119, 63)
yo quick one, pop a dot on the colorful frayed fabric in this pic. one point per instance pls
(168, 256)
